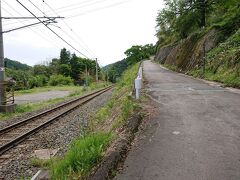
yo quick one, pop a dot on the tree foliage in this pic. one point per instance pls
(180, 18)
(66, 69)
(134, 54)
(137, 53)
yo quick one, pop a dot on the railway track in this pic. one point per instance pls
(14, 134)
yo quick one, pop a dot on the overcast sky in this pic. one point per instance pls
(97, 28)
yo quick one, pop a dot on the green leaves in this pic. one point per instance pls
(137, 53)
(180, 18)
(81, 156)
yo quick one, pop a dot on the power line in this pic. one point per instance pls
(75, 4)
(51, 29)
(47, 39)
(87, 48)
(37, 7)
(69, 8)
(97, 9)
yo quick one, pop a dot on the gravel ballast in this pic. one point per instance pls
(56, 136)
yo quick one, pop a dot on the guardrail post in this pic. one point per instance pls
(138, 82)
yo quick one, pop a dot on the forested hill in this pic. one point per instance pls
(201, 38)
(11, 64)
(115, 70)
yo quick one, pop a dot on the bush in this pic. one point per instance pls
(37, 81)
(60, 80)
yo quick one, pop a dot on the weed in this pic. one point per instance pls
(41, 163)
(83, 154)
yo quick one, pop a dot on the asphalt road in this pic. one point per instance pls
(194, 134)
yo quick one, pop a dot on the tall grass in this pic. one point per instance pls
(82, 155)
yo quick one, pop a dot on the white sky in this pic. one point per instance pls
(102, 29)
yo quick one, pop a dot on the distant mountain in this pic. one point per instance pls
(12, 64)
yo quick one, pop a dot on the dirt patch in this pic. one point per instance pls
(42, 96)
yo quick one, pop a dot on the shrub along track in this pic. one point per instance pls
(13, 134)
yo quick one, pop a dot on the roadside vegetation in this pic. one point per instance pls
(223, 63)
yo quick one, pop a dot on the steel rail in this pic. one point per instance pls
(26, 120)
(23, 136)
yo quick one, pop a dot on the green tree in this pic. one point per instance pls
(137, 53)
(78, 67)
(53, 66)
(65, 56)
(64, 69)
(41, 70)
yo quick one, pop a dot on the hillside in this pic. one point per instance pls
(12, 64)
(115, 70)
(212, 51)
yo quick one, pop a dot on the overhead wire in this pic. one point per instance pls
(96, 9)
(37, 7)
(87, 3)
(86, 48)
(51, 29)
(39, 34)
(66, 9)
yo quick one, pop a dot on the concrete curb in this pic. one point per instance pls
(118, 150)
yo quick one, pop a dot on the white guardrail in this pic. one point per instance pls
(138, 82)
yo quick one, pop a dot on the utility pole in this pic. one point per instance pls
(96, 71)
(2, 68)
